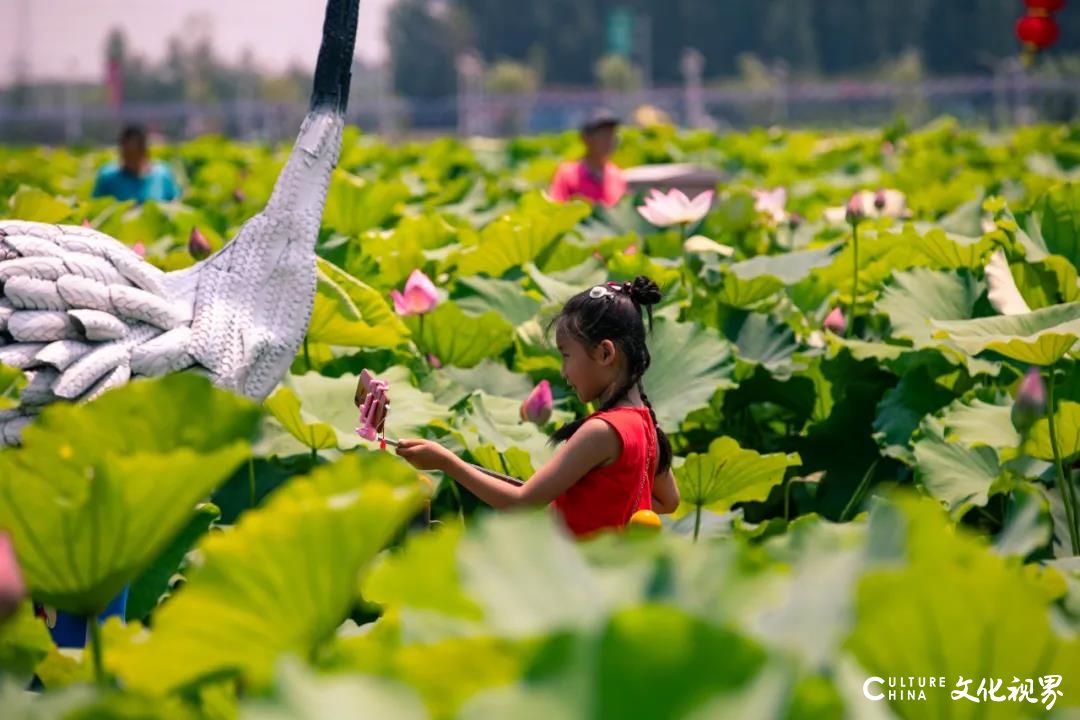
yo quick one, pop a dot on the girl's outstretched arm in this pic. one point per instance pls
(665, 494)
(595, 443)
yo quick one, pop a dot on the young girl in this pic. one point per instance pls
(614, 462)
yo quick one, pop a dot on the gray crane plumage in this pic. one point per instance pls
(81, 312)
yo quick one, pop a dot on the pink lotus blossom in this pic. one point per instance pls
(139, 248)
(772, 203)
(835, 322)
(675, 208)
(420, 295)
(198, 245)
(12, 585)
(537, 407)
(630, 250)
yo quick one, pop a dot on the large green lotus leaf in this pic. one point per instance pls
(456, 338)
(453, 384)
(738, 292)
(97, 491)
(496, 421)
(153, 585)
(788, 268)
(280, 582)
(505, 297)
(956, 609)
(423, 576)
(977, 422)
(960, 477)
(285, 407)
(1028, 525)
(39, 206)
(614, 672)
(1067, 424)
(880, 255)
(529, 578)
(299, 694)
(11, 382)
(948, 251)
(529, 234)
(399, 251)
(763, 340)
(328, 403)
(728, 474)
(903, 408)
(350, 313)
(919, 296)
(1058, 214)
(24, 641)
(1041, 337)
(354, 204)
(689, 364)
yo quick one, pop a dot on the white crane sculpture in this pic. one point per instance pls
(81, 312)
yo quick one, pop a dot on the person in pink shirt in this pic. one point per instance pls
(593, 178)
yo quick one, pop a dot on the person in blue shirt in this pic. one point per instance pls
(135, 176)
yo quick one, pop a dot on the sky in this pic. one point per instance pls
(65, 38)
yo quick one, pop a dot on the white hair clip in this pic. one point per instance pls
(599, 291)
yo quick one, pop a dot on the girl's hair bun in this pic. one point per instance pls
(645, 292)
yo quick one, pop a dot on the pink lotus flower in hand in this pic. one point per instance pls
(420, 295)
(835, 322)
(537, 407)
(12, 586)
(772, 203)
(675, 208)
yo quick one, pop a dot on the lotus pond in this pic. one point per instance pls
(859, 395)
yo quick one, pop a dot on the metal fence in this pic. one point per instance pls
(1001, 100)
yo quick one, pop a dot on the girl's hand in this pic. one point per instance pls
(425, 454)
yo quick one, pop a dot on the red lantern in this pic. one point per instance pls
(1044, 7)
(1037, 31)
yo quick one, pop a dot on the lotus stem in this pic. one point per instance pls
(96, 650)
(251, 480)
(1068, 496)
(855, 278)
(697, 521)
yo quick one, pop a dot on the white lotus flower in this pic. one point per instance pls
(772, 203)
(1003, 293)
(675, 208)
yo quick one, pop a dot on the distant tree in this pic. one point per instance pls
(422, 50)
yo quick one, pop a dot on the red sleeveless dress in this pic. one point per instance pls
(608, 496)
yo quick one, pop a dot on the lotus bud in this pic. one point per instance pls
(835, 322)
(855, 212)
(420, 295)
(1030, 404)
(12, 586)
(139, 248)
(434, 361)
(880, 200)
(239, 195)
(795, 220)
(198, 245)
(537, 407)
(86, 223)
(630, 250)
